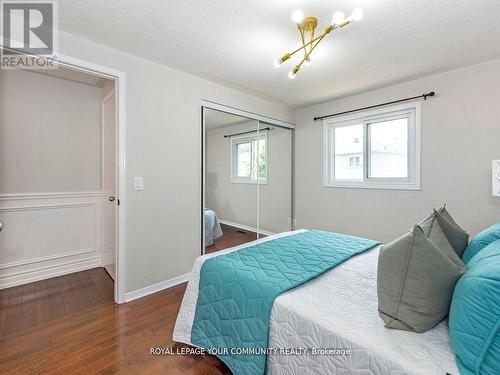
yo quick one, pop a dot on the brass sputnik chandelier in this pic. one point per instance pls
(307, 27)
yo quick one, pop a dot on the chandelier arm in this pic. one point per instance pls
(312, 49)
(310, 46)
(318, 40)
(308, 43)
(328, 30)
(303, 40)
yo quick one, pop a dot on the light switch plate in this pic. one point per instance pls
(138, 183)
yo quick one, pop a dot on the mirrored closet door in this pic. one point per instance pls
(247, 178)
(230, 212)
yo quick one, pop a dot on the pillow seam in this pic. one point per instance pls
(407, 265)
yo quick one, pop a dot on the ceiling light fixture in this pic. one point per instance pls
(307, 27)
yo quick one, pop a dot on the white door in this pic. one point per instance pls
(109, 200)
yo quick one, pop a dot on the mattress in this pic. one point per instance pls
(336, 310)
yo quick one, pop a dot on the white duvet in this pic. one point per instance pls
(336, 310)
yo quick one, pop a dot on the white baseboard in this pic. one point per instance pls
(156, 287)
(47, 272)
(245, 227)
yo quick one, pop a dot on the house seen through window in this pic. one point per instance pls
(379, 149)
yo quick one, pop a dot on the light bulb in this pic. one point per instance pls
(291, 75)
(297, 16)
(277, 63)
(338, 18)
(356, 15)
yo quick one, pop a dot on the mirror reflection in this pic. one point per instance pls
(248, 176)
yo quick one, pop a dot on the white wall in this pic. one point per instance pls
(237, 202)
(460, 137)
(49, 134)
(163, 145)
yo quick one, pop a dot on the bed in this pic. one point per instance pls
(335, 310)
(213, 229)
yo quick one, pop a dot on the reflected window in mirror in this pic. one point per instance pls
(249, 159)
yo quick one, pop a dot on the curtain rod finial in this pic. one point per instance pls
(431, 94)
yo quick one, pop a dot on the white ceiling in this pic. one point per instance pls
(234, 42)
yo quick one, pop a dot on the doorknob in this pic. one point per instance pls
(111, 198)
(1, 225)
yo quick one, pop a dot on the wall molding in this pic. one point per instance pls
(50, 271)
(30, 264)
(75, 194)
(47, 258)
(245, 227)
(35, 207)
(156, 287)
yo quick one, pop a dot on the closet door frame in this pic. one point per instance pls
(119, 78)
(251, 116)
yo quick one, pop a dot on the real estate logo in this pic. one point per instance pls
(29, 34)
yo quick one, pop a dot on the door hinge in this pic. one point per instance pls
(118, 201)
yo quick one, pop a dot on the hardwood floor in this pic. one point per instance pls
(70, 325)
(232, 237)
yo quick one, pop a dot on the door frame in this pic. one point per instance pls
(119, 77)
(104, 101)
(252, 116)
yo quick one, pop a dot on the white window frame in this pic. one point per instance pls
(252, 138)
(412, 110)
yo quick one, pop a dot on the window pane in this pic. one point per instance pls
(243, 159)
(349, 152)
(261, 159)
(389, 149)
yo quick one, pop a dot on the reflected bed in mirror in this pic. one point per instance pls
(213, 229)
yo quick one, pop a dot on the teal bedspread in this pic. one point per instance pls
(237, 290)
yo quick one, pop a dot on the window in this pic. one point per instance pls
(249, 159)
(354, 161)
(379, 149)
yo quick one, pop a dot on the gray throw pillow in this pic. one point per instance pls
(456, 236)
(415, 282)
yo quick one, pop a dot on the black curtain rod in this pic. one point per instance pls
(251, 131)
(431, 94)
